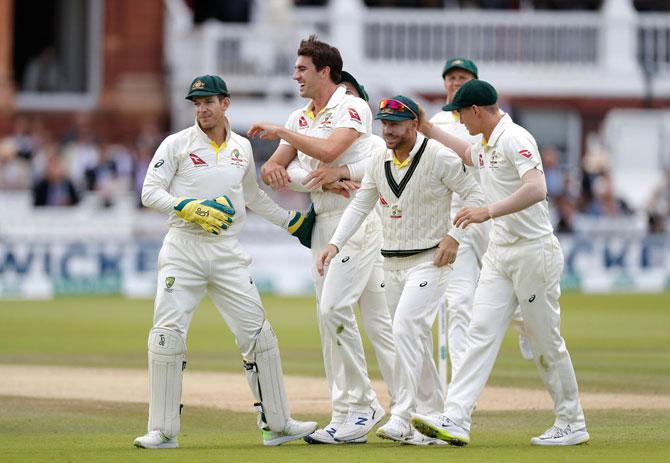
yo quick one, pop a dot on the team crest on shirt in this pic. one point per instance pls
(526, 154)
(236, 159)
(493, 161)
(327, 121)
(197, 160)
(353, 114)
(382, 201)
(302, 122)
(396, 212)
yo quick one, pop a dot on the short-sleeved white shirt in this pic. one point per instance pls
(341, 111)
(451, 123)
(509, 153)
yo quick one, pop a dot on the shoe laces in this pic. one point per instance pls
(555, 432)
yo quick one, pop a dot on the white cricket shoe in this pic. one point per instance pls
(358, 423)
(155, 440)
(561, 436)
(524, 347)
(441, 427)
(294, 430)
(420, 439)
(326, 435)
(396, 429)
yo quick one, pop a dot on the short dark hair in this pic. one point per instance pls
(322, 55)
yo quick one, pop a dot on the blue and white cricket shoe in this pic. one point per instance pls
(359, 423)
(326, 436)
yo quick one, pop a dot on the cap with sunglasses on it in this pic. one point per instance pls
(397, 108)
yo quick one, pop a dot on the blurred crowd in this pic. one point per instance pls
(60, 172)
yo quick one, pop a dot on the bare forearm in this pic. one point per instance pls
(527, 195)
(460, 146)
(317, 148)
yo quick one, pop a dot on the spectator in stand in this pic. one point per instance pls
(44, 73)
(14, 171)
(55, 189)
(553, 174)
(23, 138)
(604, 202)
(566, 210)
(658, 210)
(80, 153)
(110, 177)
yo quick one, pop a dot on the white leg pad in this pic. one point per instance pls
(266, 381)
(167, 361)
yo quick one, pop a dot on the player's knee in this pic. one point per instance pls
(166, 341)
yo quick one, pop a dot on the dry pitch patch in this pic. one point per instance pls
(229, 391)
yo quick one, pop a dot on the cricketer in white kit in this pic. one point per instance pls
(522, 265)
(334, 129)
(463, 281)
(201, 254)
(413, 180)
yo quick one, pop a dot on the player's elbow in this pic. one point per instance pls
(330, 154)
(539, 190)
(146, 197)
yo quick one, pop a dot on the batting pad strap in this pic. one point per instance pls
(167, 360)
(266, 381)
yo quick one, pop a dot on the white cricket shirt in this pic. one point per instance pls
(341, 111)
(414, 200)
(188, 164)
(509, 153)
(451, 123)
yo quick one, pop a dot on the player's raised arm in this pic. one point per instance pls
(458, 145)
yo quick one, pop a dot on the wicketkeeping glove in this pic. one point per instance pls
(211, 215)
(301, 226)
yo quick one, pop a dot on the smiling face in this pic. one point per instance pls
(210, 110)
(399, 135)
(454, 79)
(308, 78)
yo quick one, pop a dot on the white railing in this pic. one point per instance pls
(537, 38)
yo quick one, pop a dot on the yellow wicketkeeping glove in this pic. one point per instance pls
(211, 215)
(301, 226)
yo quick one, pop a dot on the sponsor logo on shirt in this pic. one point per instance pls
(158, 164)
(526, 154)
(382, 201)
(197, 161)
(302, 122)
(354, 115)
(481, 160)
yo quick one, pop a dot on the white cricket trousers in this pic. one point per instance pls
(414, 295)
(191, 265)
(460, 290)
(527, 273)
(355, 275)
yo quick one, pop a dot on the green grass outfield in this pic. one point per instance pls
(619, 343)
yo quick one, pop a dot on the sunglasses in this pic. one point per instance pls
(389, 106)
